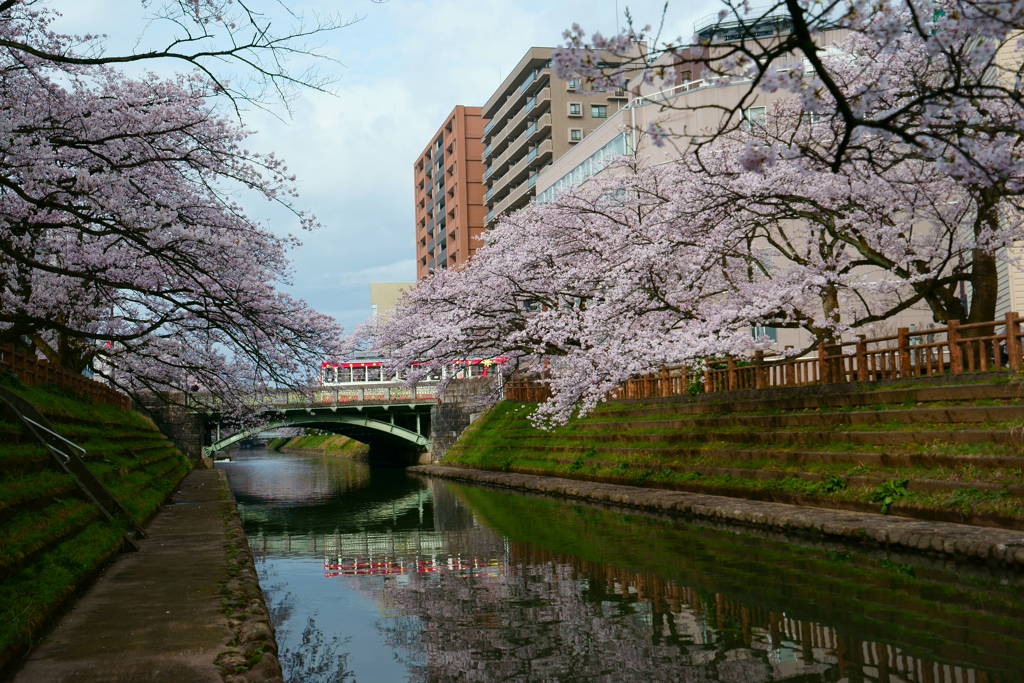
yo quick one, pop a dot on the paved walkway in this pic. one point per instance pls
(156, 614)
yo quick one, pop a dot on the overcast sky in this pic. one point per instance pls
(404, 65)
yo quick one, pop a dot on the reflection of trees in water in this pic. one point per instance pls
(316, 659)
(549, 616)
(311, 657)
(292, 479)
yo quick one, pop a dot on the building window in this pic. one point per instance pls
(575, 109)
(575, 134)
(599, 111)
(754, 117)
(572, 84)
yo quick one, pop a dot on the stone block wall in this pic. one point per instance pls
(462, 401)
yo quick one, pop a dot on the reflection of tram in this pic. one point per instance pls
(363, 566)
(369, 370)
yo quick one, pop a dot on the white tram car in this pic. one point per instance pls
(371, 371)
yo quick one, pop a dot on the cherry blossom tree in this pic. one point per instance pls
(963, 50)
(125, 245)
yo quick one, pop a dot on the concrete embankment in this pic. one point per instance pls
(322, 444)
(186, 606)
(997, 546)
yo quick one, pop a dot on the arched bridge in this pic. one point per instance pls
(389, 417)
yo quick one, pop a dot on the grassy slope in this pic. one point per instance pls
(665, 457)
(53, 539)
(329, 444)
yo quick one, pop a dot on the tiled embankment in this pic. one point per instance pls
(947, 449)
(53, 538)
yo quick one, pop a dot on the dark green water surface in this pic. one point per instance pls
(373, 574)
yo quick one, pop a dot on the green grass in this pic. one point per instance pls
(53, 539)
(694, 458)
(329, 444)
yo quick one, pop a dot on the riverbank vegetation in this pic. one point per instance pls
(948, 460)
(328, 444)
(54, 539)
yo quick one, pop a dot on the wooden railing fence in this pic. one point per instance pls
(953, 348)
(35, 372)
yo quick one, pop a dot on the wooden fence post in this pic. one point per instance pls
(903, 347)
(730, 376)
(823, 373)
(1013, 341)
(956, 355)
(760, 380)
(789, 369)
(664, 389)
(861, 356)
(708, 387)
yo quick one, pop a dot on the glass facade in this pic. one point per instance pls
(618, 146)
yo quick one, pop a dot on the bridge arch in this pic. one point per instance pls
(342, 423)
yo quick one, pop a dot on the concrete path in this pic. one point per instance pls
(156, 614)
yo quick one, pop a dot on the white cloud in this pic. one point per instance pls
(406, 64)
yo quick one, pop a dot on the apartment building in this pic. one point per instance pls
(384, 296)
(448, 192)
(534, 118)
(693, 108)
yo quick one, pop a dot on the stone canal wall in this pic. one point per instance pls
(463, 401)
(997, 546)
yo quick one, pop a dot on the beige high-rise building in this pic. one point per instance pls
(534, 118)
(448, 192)
(385, 295)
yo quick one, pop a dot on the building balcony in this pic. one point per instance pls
(516, 198)
(518, 172)
(533, 131)
(541, 104)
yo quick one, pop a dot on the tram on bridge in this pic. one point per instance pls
(356, 373)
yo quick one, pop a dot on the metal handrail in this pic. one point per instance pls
(53, 433)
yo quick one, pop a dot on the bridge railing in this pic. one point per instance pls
(952, 348)
(385, 392)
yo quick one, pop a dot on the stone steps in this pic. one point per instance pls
(851, 458)
(880, 437)
(956, 443)
(817, 397)
(946, 415)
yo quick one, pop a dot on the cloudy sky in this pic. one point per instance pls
(401, 68)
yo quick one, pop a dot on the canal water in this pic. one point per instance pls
(374, 574)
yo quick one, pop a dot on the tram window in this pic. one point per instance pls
(330, 375)
(373, 374)
(358, 374)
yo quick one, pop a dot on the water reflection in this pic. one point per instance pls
(375, 575)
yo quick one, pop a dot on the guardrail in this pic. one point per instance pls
(953, 348)
(35, 372)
